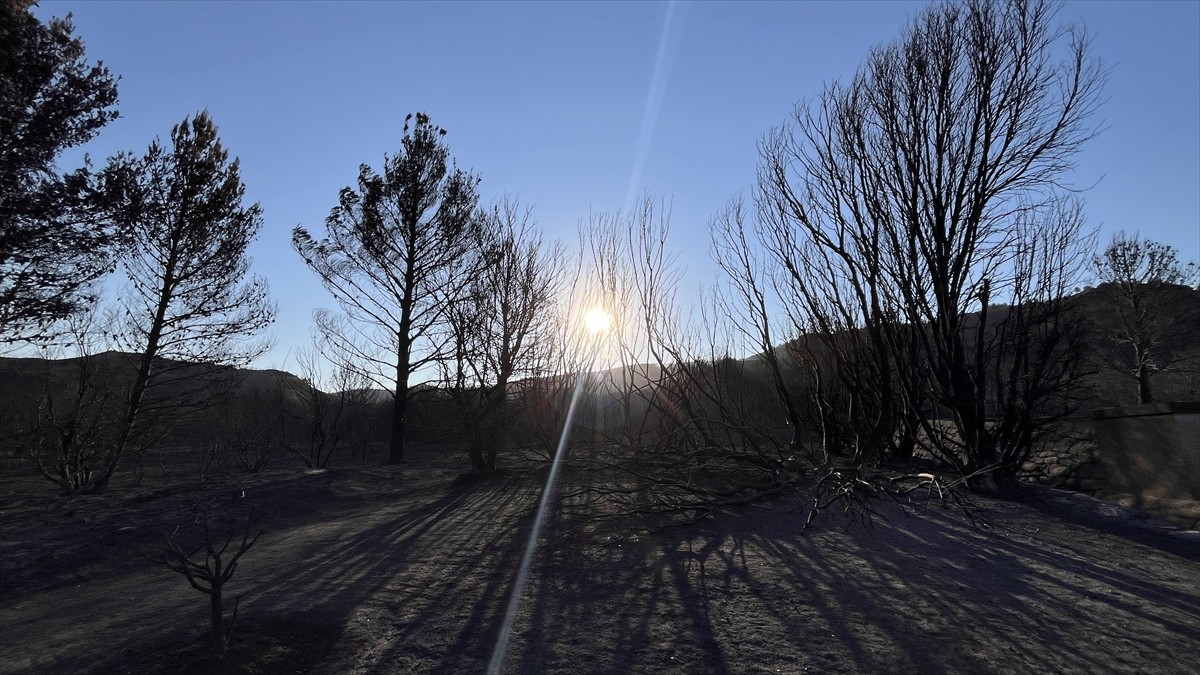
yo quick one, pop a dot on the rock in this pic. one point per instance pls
(1128, 501)
(1184, 508)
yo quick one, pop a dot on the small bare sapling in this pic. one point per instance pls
(209, 566)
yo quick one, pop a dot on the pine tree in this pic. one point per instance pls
(391, 258)
(52, 246)
(189, 298)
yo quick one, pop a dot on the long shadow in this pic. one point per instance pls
(1036, 599)
(402, 587)
(421, 587)
(917, 594)
(421, 591)
(1058, 505)
(406, 550)
(602, 601)
(455, 627)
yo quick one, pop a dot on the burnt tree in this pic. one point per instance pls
(392, 257)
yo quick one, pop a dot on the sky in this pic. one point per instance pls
(577, 107)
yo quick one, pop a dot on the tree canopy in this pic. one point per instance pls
(921, 192)
(52, 244)
(391, 258)
(1149, 312)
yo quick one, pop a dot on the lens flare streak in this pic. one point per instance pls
(539, 519)
(668, 42)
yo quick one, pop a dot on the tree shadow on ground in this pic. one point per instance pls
(413, 589)
(925, 593)
(417, 580)
(1112, 519)
(351, 575)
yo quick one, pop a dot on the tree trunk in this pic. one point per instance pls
(145, 369)
(905, 447)
(499, 427)
(396, 448)
(1143, 377)
(218, 621)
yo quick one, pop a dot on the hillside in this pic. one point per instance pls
(25, 374)
(1108, 379)
(24, 382)
(201, 397)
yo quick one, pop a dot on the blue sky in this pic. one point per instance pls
(575, 106)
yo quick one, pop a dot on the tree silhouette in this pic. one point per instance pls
(926, 190)
(52, 246)
(392, 259)
(1145, 286)
(188, 299)
(209, 566)
(500, 328)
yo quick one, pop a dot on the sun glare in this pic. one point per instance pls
(597, 320)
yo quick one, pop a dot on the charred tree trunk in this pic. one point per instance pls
(217, 620)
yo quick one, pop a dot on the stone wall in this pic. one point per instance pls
(1067, 459)
(1146, 457)
(1143, 456)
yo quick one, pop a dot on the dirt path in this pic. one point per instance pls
(397, 571)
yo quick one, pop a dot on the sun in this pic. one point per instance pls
(597, 320)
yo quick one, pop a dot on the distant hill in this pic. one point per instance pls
(1107, 382)
(24, 382)
(20, 377)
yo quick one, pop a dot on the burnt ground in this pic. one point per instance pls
(408, 569)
